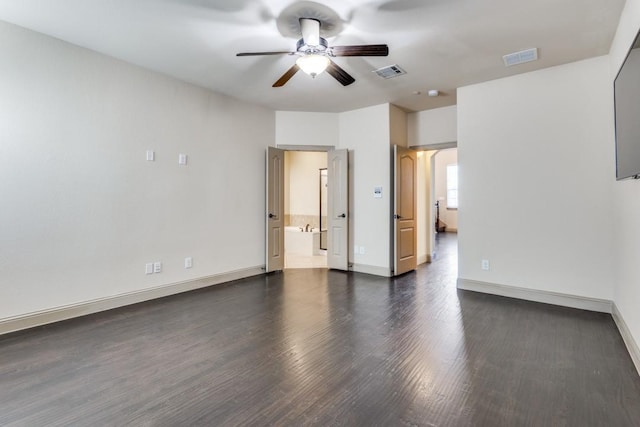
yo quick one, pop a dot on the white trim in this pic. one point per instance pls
(17, 323)
(320, 148)
(436, 146)
(372, 269)
(565, 300)
(422, 259)
(632, 345)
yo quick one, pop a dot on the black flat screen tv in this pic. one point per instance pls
(627, 111)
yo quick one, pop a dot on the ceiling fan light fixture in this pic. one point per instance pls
(313, 64)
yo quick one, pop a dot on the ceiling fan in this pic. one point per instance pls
(314, 54)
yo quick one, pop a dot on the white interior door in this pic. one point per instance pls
(338, 210)
(405, 243)
(275, 210)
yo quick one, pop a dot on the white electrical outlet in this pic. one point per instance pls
(182, 159)
(157, 267)
(485, 264)
(151, 156)
(356, 249)
(148, 268)
(362, 250)
(188, 262)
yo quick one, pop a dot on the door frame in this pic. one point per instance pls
(315, 148)
(431, 192)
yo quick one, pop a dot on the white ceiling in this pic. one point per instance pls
(442, 44)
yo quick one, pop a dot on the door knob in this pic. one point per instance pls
(271, 215)
(342, 216)
(397, 216)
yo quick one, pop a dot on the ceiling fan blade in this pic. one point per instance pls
(264, 53)
(339, 74)
(286, 76)
(363, 50)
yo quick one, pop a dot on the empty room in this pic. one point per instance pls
(455, 184)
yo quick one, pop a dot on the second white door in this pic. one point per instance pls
(338, 210)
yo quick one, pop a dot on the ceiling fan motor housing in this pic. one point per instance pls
(305, 48)
(310, 30)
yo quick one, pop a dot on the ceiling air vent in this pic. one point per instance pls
(520, 57)
(390, 71)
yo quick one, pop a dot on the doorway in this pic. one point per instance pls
(437, 200)
(305, 195)
(445, 173)
(337, 165)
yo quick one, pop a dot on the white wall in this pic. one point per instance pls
(435, 126)
(302, 128)
(304, 182)
(398, 126)
(366, 134)
(626, 196)
(535, 163)
(426, 128)
(443, 158)
(82, 209)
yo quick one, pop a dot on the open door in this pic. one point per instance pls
(338, 209)
(275, 210)
(405, 244)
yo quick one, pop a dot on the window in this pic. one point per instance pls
(452, 186)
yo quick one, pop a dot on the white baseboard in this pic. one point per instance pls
(591, 304)
(422, 259)
(632, 345)
(565, 300)
(451, 230)
(371, 269)
(17, 323)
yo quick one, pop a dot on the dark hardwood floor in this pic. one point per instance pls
(324, 348)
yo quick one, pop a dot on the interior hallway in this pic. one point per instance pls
(327, 348)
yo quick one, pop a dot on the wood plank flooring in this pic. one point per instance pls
(317, 347)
